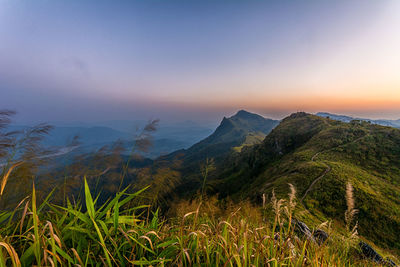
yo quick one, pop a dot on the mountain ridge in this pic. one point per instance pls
(319, 156)
(230, 133)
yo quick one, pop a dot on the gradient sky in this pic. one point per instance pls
(96, 60)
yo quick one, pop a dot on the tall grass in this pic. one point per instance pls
(351, 211)
(203, 232)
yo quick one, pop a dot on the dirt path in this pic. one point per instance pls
(328, 168)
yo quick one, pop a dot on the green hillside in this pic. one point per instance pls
(183, 166)
(319, 156)
(230, 133)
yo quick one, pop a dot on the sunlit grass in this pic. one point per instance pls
(202, 232)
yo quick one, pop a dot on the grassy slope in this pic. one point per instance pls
(251, 139)
(366, 155)
(201, 233)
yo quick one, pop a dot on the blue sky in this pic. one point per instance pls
(93, 60)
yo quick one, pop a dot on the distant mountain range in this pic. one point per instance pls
(167, 138)
(344, 118)
(241, 130)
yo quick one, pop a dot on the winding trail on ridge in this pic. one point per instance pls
(328, 168)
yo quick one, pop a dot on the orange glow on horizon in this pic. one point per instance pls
(331, 103)
(296, 103)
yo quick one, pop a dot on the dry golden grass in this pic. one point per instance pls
(6, 175)
(203, 232)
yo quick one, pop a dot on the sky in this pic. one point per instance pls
(199, 60)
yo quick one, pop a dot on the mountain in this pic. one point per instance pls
(182, 168)
(319, 156)
(232, 132)
(344, 118)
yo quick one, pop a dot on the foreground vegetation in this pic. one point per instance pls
(88, 220)
(202, 232)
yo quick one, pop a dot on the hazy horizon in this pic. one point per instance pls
(210, 122)
(198, 60)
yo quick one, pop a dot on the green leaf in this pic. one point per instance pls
(116, 215)
(89, 201)
(103, 244)
(36, 244)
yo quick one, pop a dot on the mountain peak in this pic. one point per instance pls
(299, 114)
(244, 114)
(232, 132)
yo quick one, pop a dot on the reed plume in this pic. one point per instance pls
(351, 211)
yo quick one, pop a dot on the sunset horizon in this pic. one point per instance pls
(198, 60)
